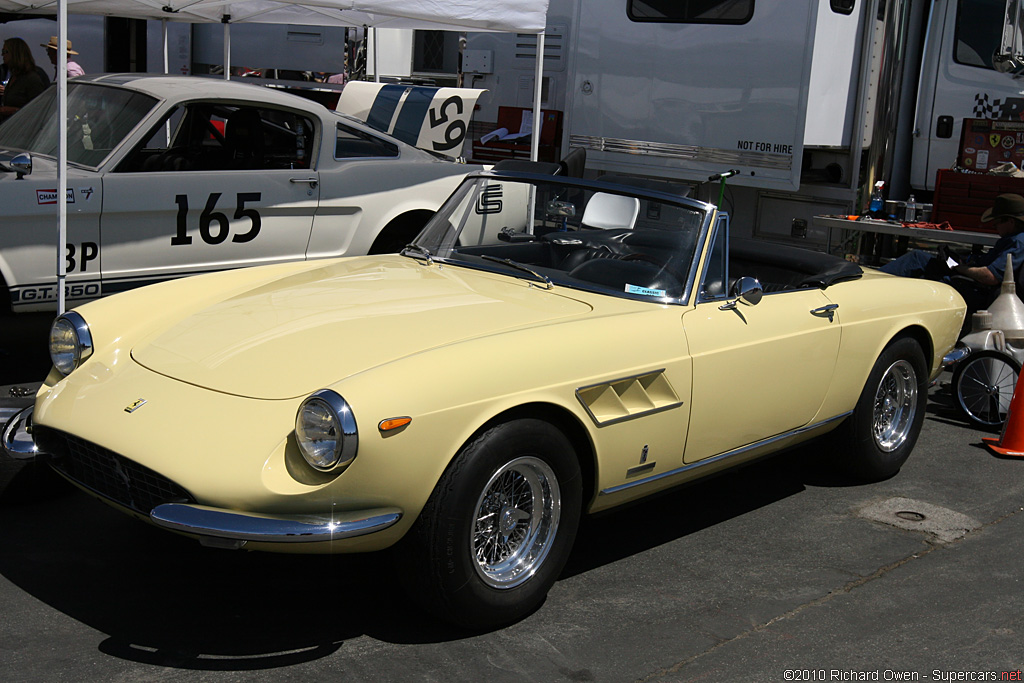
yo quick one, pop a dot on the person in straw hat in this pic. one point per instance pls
(982, 273)
(51, 50)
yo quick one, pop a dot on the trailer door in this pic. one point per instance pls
(686, 90)
(958, 82)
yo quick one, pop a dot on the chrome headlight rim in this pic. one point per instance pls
(83, 342)
(344, 422)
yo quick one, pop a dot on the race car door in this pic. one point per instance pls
(28, 250)
(213, 186)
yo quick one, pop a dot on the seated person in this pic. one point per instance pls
(982, 273)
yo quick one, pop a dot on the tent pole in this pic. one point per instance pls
(538, 82)
(226, 20)
(163, 32)
(376, 71)
(62, 161)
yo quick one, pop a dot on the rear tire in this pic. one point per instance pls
(877, 439)
(498, 527)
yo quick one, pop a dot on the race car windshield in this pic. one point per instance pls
(99, 118)
(618, 241)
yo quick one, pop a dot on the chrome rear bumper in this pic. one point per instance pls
(955, 356)
(229, 528)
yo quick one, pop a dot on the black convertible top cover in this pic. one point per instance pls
(817, 269)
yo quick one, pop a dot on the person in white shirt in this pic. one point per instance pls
(51, 50)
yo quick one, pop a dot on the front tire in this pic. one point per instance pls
(498, 527)
(878, 438)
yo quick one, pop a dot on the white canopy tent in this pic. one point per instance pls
(521, 16)
(524, 16)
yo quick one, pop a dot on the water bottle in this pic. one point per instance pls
(877, 202)
(911, 214)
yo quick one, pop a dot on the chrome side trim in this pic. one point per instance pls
(17, 436)
(723, 456)
(248, 526)
(690, 152)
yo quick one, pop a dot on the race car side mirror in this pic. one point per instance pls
(20, 163)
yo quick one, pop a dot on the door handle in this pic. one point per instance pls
(312, 181)
(829, 310)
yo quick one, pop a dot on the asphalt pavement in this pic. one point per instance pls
(779, 571)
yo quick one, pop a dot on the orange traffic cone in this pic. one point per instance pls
(1011, 441)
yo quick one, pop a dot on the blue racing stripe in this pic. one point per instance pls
(383, 108)
(410, 119)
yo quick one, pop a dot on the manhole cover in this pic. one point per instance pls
(914, 515)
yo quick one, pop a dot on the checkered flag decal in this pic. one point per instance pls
(1004, 108)
(982, 107)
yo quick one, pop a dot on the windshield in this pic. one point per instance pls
(99, 118)
(623, 242)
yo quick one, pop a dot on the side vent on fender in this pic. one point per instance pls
(628, 397)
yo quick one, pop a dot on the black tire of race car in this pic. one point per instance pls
(861, 456)
(438, 561)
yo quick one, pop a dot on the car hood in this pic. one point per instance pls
(292, 335)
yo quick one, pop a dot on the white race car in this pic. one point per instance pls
(172, 176)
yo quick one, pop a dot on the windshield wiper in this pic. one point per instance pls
(417, 249)
(519, 266)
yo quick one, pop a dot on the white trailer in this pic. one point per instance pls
(811, 100)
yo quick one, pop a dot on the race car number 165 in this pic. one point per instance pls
(213, 225)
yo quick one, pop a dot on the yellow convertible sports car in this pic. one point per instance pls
(545, 348)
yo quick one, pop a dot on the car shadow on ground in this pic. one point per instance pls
(164, 600)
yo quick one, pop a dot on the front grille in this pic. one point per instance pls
(108, 474)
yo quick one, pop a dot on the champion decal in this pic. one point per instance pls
(50, 196)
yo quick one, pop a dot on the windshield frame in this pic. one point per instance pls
(468, 191)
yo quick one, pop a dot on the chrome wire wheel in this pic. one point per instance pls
(516, 521)
(895, 406)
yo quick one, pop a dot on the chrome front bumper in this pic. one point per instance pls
(17, 436)
(228, 528)
(231, 529)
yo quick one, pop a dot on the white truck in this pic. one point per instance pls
(811, 100)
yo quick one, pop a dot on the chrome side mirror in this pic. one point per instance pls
(21, 164)
(1009, 56)
(748, 290)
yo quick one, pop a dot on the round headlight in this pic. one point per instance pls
(325, 430)
(70, 342)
